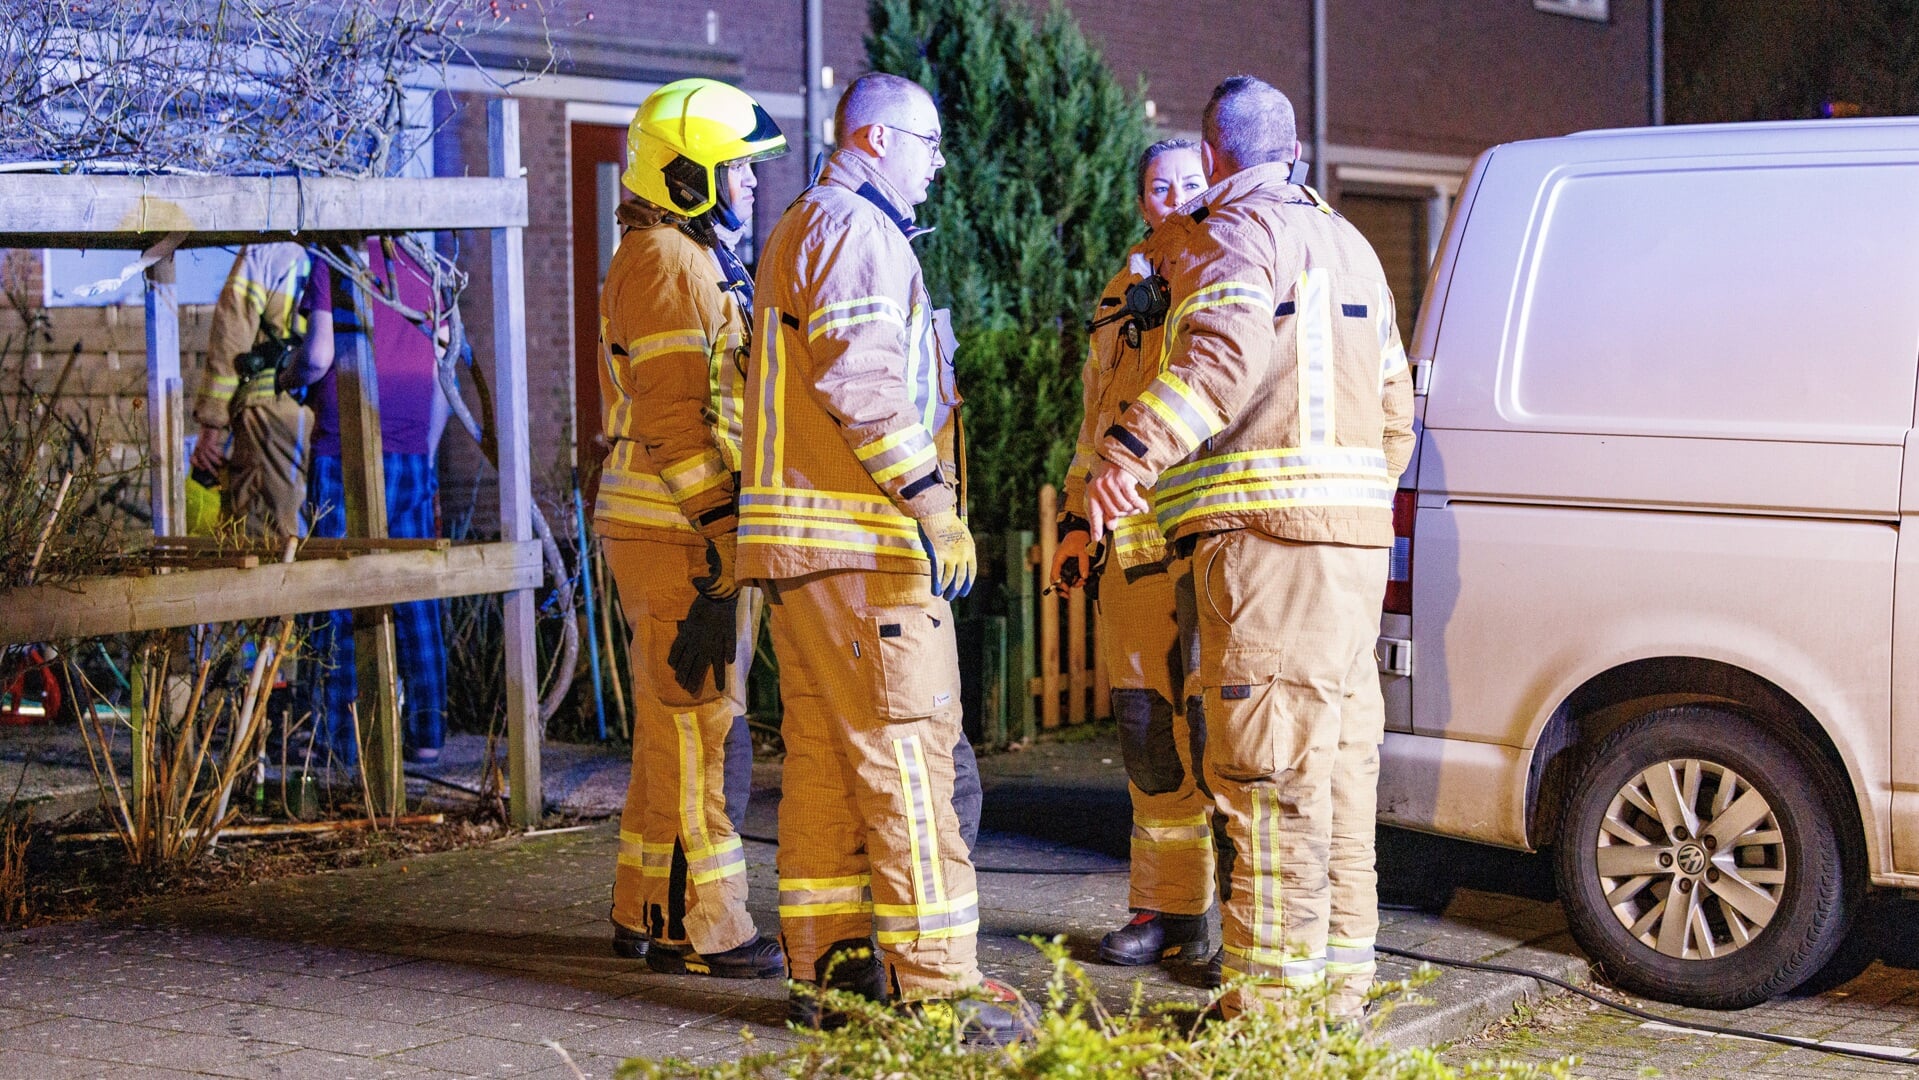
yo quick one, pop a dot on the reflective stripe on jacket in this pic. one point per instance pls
(1283, 402)
(850, 429)
(672, 344)
(1115, 373)
(261, 295)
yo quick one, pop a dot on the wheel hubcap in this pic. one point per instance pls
(1691, 859)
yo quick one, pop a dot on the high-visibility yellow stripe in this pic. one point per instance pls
(895, 937)
(855, 320)
(835, 545)
(774, 521)
(912, 824)
(893, 520)
(806, 911)
(932, 822)
(888, 441)
(906, 465)
(851, 881)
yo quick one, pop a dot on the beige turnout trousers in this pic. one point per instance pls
(870, 845)
(1172, 843)
(676, 793)
(1286, 632)
(266, 474)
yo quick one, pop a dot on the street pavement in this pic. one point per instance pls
(1877, 1011)
(477, 962)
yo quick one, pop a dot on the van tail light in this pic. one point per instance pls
(1399, 579)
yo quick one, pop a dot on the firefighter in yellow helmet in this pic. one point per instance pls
(850, 513)
(1172, 847)
(675, 328)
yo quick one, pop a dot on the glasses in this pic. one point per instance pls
(932, 141)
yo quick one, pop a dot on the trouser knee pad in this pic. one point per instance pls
(1146, 741)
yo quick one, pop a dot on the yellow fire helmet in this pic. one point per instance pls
(684, 133)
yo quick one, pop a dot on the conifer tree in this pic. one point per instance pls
(1033, 212)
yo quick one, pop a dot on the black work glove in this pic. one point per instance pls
(705, 643)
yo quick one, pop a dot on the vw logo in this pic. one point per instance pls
(1692, 859)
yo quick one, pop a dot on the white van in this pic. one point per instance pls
(1652, 606)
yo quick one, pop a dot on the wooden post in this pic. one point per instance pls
(363, 482)
(1048, 612)
(164, 407)
(1019, 632)
(516, 478)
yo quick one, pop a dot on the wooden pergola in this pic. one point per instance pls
(367, 572)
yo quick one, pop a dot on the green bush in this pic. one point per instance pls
(1033, 213)
(1079, 1039)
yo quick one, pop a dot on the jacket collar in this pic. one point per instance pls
(1271, 176)
(856, 173)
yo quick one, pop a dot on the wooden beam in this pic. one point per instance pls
(363, 472)
(114, 605)
(91, 211)
(523, 725)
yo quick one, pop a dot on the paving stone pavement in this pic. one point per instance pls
(469, 963)
(1877, 1011)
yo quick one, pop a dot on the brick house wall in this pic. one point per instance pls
(1428, 80)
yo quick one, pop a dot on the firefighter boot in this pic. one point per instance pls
(759, 958)
(994, 1014)
(629, 944)
(1152, 937)
(852, 966)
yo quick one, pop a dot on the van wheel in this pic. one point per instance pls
(1700, 861)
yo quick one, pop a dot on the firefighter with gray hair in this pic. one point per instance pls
(1271, 441)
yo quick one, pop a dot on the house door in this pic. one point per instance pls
(598, 156)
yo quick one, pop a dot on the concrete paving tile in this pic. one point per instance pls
(27, 1065)
(143, 1072)
(238, 1020)
(326, 962)
(433, 975)
(653, 1041)
(321, 1065)
(479, 1056)
(119, 1003)
(547, 993)
(195, 1052)
(362, 1037)
(403, 1005)
(292, 991)
(522, 1023)
(71, 1036)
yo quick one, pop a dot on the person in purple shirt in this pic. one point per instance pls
(412, 416)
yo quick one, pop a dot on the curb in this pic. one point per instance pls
(1461, 1003)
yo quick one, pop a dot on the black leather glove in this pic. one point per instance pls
(706, 641)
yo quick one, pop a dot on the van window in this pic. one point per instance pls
(1780, 301)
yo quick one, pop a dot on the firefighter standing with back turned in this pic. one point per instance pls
(849, 501)
(1139, 636)
(1273, 437)
(675, 320)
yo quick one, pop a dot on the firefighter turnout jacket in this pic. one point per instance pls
(671, 384)
(851, 435)
(261, 297)
(1282, 367)
(1119, 365)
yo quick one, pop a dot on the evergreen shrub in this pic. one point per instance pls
(1033, 213)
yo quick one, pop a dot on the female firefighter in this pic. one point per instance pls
(1172, 884)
